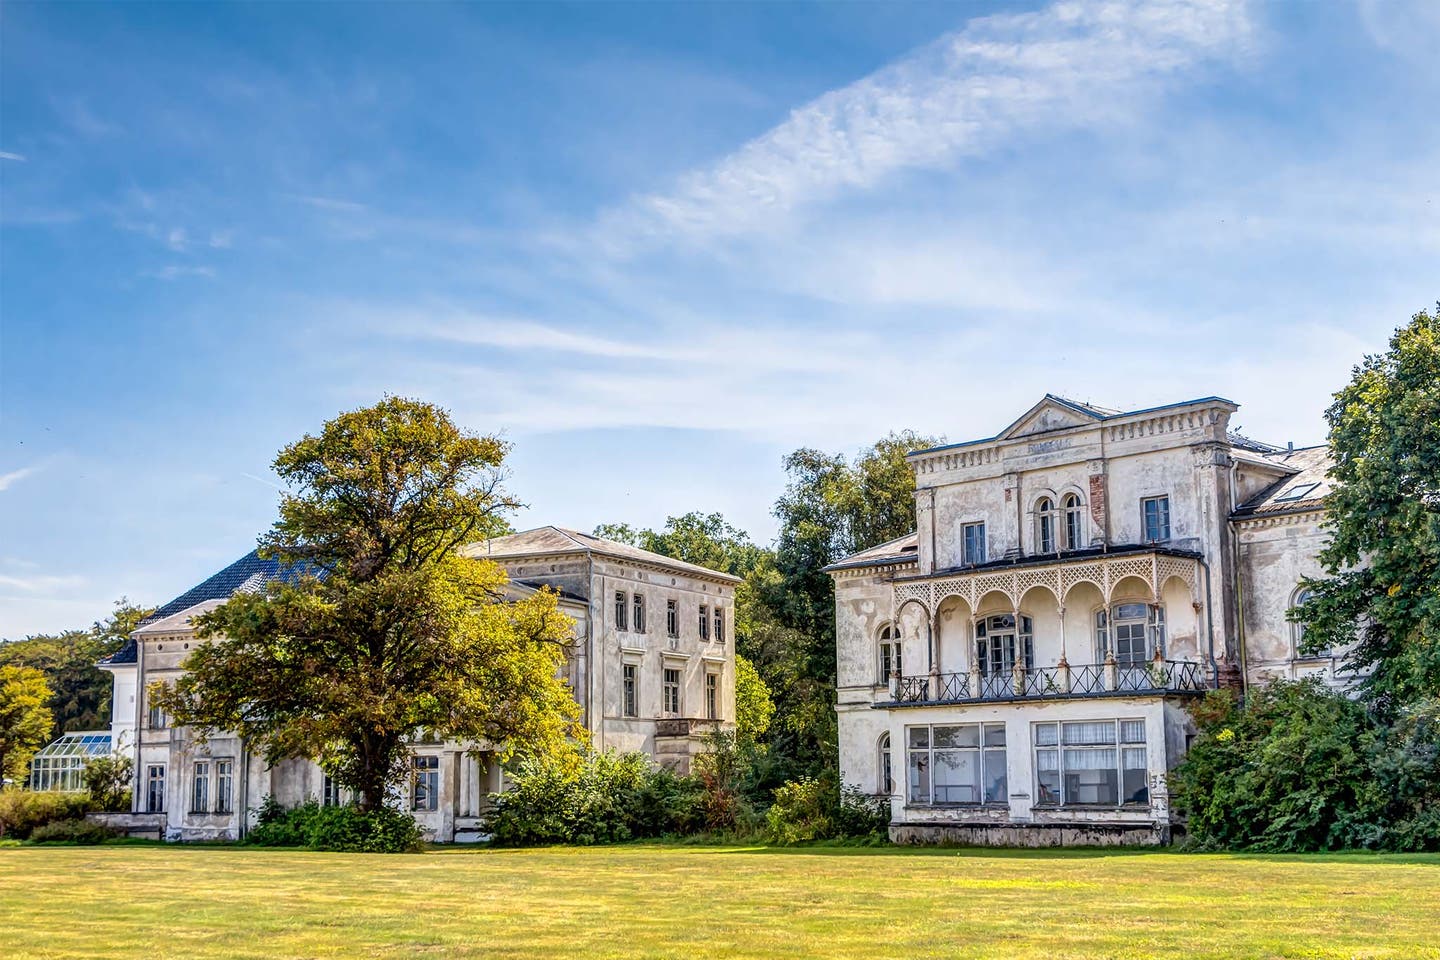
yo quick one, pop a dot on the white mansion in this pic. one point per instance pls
(1017, 670)
(652, 667)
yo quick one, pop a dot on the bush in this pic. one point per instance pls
(346, 829)
(72, 831)
(22, 811)
(1405, 781)
(820, 809)
(108, 781)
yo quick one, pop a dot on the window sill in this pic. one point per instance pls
(988, 805)
(1062, 807)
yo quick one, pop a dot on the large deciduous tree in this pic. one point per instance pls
(1382, 560)
(387, 631)
(24, 719)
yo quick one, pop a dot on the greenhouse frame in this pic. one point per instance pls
(61, 765)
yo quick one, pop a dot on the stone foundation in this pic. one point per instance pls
(1033, 834)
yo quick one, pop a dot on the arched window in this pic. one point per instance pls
(884, 778)
(1045, 525)
(1133, 631)
(1297, 630)
(998, 642)
(889, 653)
(1070, 507)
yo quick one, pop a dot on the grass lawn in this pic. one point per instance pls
(704, 902)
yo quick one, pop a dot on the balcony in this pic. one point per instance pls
(1059, 682)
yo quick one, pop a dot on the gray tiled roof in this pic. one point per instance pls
(1310, 482)
(542, 540)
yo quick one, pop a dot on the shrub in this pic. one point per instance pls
(21, 811)
(1405, 780)
(346, 829)
(108, 781)
(820, 809)
(72, 831)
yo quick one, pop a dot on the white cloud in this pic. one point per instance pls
(39, 583)
(8, 479)
(990, 84)
(180, 271)
(7, 155)
(332, 204)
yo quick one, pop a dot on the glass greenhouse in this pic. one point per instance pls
(61, 766)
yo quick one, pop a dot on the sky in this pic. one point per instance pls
(658, 247)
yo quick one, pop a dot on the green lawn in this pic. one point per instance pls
(704, 902)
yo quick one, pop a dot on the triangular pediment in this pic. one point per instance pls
(1050, 414)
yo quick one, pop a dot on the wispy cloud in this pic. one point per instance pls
(7, 155)
(999, 79)
(176, 271)
(332, 204)
(9, 479)
(39, 583)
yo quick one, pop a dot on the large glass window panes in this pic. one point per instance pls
(1091, 763)
(670, 692)
(1045, 525)
(155, 788)
(1157, 518)
(957, 764)
(974, 534)
(425, 791)
(61, 765)
(200, 795)
(998, 643)
(1073, 536)
(1133, 632)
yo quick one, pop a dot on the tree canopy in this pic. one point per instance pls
(387, 632)
(1382, 559)
(24, 719)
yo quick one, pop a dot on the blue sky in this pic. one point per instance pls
(659, 247)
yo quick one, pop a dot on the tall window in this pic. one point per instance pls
(963, 763)
(638, 605)
(631, 705)
(719, 625)
(224, 786)
(1070, 506)
(704, 622)
(1045, 525)
(998, 643)
(1091, 763)
(672, 618)
(670, 693)
(157, 717)
(1156, 511)
(974, 534)
(330, 794)
(200, 792)
(1297, 630)
(712, 696)
(1134, 631)
(885, 778)
(155, 788)
(889, 653)
(425, 787)
(621, 608)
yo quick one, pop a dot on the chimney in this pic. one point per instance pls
(1290, 447)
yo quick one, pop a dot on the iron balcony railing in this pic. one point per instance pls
(1051, 683)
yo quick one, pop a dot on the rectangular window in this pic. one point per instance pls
(704, 622)
(621, 608)
(224, 786)
(719, 625)
(200, 794)
(1091, 763)
(638, 606)
(670, 693)
(155, 788)
(330, 795)
(1157, 518)
(631, 706)
(425, 790)
(957, 764)
(672, 618)
(157, 718)
(712, 696)
(974, 543)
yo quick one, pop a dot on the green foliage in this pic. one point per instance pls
(1300, 767)
(24, 719)
(22, 811)
(753, 706)
(1382, 559)
(391, 631)
(80, 691)
(79, 830)
(107, 779)
(706, 539)
(820, 809)
(343, 829)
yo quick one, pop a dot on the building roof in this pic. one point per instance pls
(900, 550)
(1305, 489)
(250, 573)
(559, 540)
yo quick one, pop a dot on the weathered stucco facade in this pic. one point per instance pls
(1017, 670)
(656, 676)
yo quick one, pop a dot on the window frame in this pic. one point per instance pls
(981, 751)
(890, 649)
(671, 690)
(154, 781)
(1062, 750)
(1072, 521)
(1023, 630)
(1297, 631)
(637, 615)
(1106, 621)
(704, 621)
(425, 778)
(973, 557)
(200, 787)
(672, 618)
(718, 617)
(884, 768)
(712, 695)
(224, 796)
(622, 605)
(1045, 539)
(1163, 518)
(629, 690)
